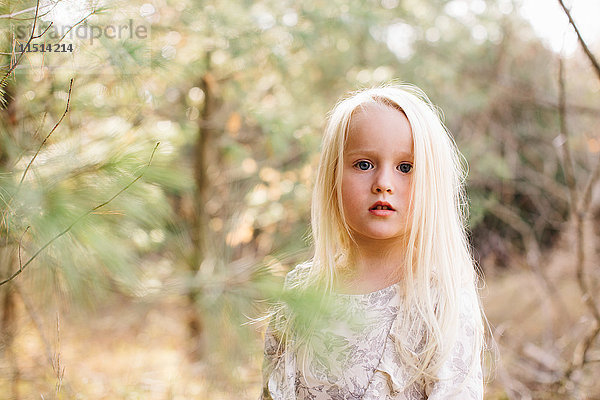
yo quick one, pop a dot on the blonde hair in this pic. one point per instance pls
(440, 268)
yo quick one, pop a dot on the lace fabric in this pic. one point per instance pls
(354, 357)
(344, 355)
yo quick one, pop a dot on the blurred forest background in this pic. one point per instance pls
(155, 187)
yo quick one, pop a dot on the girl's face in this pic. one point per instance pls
(376, 174)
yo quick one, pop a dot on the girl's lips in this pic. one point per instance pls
(381, 209)
(381, 213)
(382, 204)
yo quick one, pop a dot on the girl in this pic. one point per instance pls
(397, 314)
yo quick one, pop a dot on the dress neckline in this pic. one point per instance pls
(369, 294)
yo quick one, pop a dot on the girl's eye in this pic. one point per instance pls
(363, 165)
(405, 168)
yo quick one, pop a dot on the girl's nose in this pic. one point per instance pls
(382, 188)
(382, 184)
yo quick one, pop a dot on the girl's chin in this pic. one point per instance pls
(378, 235)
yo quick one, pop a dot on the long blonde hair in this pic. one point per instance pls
(440, 266)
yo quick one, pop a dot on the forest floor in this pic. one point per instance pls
(125, 350)
(128, 349)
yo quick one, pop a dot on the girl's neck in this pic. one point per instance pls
(373, 266)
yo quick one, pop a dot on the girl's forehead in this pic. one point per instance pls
(371, 111)
(379, 127)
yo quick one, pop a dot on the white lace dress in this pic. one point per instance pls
(354, 357)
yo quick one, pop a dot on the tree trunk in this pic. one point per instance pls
(199, 232)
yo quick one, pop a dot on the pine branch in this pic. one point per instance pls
(76, 221)
(14, 195)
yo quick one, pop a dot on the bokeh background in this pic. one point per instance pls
(154, 259)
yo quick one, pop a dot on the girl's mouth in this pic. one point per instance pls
(381, 209)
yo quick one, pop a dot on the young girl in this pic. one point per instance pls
(397, 314)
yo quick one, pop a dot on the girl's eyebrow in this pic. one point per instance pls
(372, 153)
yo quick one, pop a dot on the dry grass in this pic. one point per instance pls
(535, 340)
(122, 351)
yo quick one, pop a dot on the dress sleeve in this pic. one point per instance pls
(271, 357)
(461, 376)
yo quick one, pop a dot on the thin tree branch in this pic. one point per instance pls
(581, 351)
(31, 37)
(586, 293)
(586, 49)
(47, 137)
(587, 192)
(76, 221)
(45, 30)
(11, 15)
(14, 14)
(20, 244)
(71, 28)
(579, 211)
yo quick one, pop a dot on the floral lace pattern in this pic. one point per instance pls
(345, 354)
(354, 358)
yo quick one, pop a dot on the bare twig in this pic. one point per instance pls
(76, 221)
(49, 8)
(586, 49)
(20, 244)
(47, 136)
(578, 212)
(588, 297)
(31, 37)
(12, 15)
(581, 352)
(45, 30)
(593, 179)
(75, 25)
